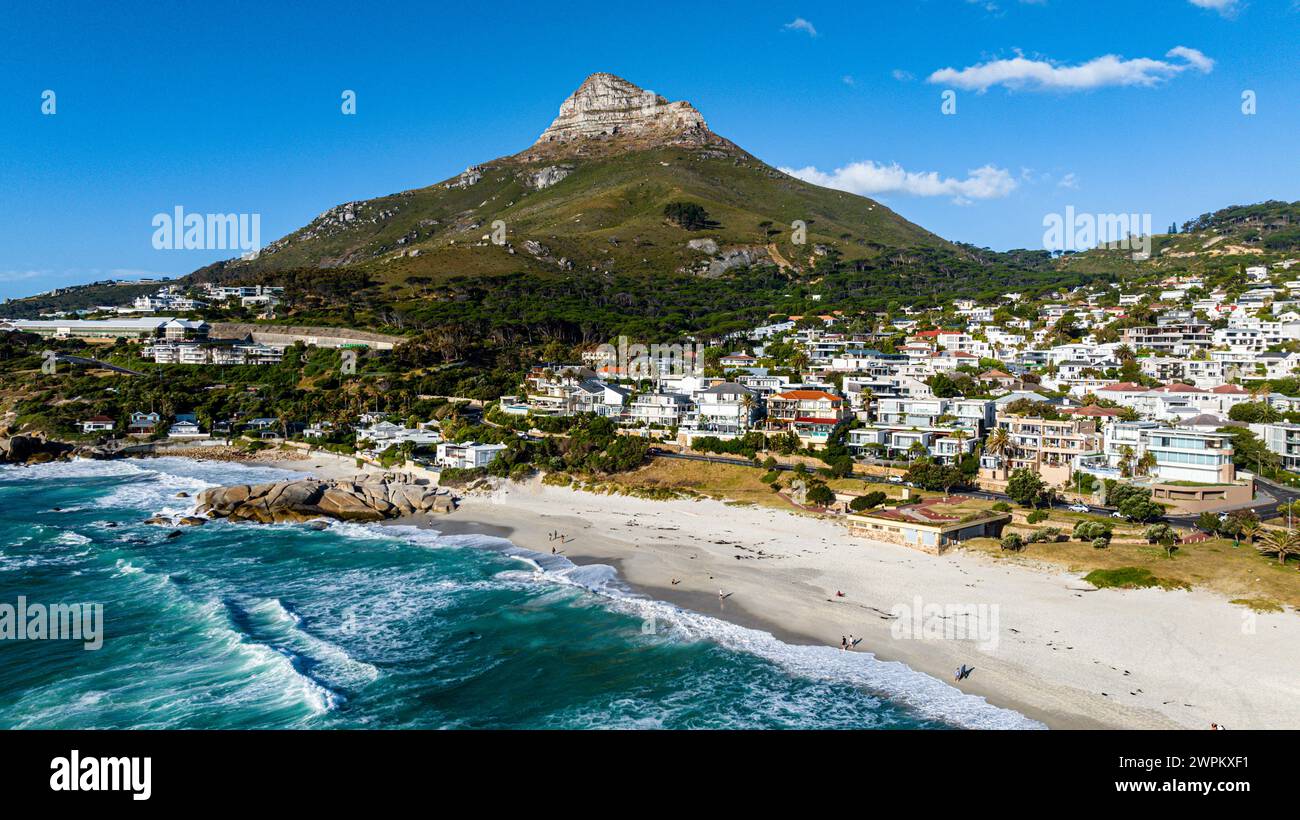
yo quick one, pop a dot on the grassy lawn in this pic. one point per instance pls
(1244, 575)
(727, 482)
(732, 482)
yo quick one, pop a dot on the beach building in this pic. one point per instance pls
(931, 526)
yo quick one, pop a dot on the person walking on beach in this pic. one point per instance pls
(844, 643)
(852, 643)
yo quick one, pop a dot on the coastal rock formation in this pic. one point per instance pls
(360, 498)
(608, 106)
(25, 449)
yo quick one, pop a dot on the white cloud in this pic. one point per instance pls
(21, 275)
(800, 24)
(847, 79)
(1227, 8)
(1070, 180)
(869, 179)
(1107, 70)
(902, 76)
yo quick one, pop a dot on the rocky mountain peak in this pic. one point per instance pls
(607, 107)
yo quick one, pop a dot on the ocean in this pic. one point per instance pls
(365, 626)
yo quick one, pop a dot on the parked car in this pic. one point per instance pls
(1079, 508)
(895, 479)
(1117, 514)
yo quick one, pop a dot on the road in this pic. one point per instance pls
(1266, 506)
(64, 357)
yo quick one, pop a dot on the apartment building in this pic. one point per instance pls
(1174, 339)
(1282, 439)
(1048, 447)
(659, 409)
(726, 409)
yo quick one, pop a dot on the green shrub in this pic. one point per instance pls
(865, 502)
(1013, 541)
(1036, 516)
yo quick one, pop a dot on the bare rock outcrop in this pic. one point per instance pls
(606, 105)
(25, 449)
(361, 498)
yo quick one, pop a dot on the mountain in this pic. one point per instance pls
(1226, 239)
(590, 194)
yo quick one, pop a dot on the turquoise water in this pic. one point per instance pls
(360, 626)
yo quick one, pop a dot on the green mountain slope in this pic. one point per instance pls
(597, 203)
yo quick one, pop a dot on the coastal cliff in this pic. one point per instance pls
(361, 498)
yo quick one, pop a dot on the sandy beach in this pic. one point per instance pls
(1051, 647)
(1063, 654)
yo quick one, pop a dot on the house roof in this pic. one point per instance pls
(1203, 420)
(727, 388)
(802, 395)
(1093, 410)
(1124, 387)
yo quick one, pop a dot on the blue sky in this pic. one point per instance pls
(235, 108)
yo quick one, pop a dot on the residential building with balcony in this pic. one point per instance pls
(658, 409)
(1048, 447)
(809, 414)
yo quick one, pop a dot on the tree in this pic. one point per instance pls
(1254, 413)
(1012, 541)
(1157, 533)
(1207, 522)
(820, 495)
(688, 215)
(1092, 531)
(1238, 522)
(998, 443)
(1282, 543)
(929, 476)
(865, 502)
(1250, 530)
(1025, 487)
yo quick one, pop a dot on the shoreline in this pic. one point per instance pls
(1065, 655)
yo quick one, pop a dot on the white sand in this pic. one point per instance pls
(1064, 655)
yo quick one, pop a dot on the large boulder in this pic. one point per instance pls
(361, 498)
(24, 449)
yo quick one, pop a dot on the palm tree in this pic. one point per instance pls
(1145, 463)
(1250, 530)
(747, 402)
(1126, 461)
(1281, 543)
(998, 443)
(958, 435)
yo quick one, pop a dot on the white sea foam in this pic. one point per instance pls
(926, 696)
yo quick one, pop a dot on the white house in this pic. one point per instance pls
(468, 455)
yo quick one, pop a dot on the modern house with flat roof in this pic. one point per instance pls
(931, 526)
(108, 329)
